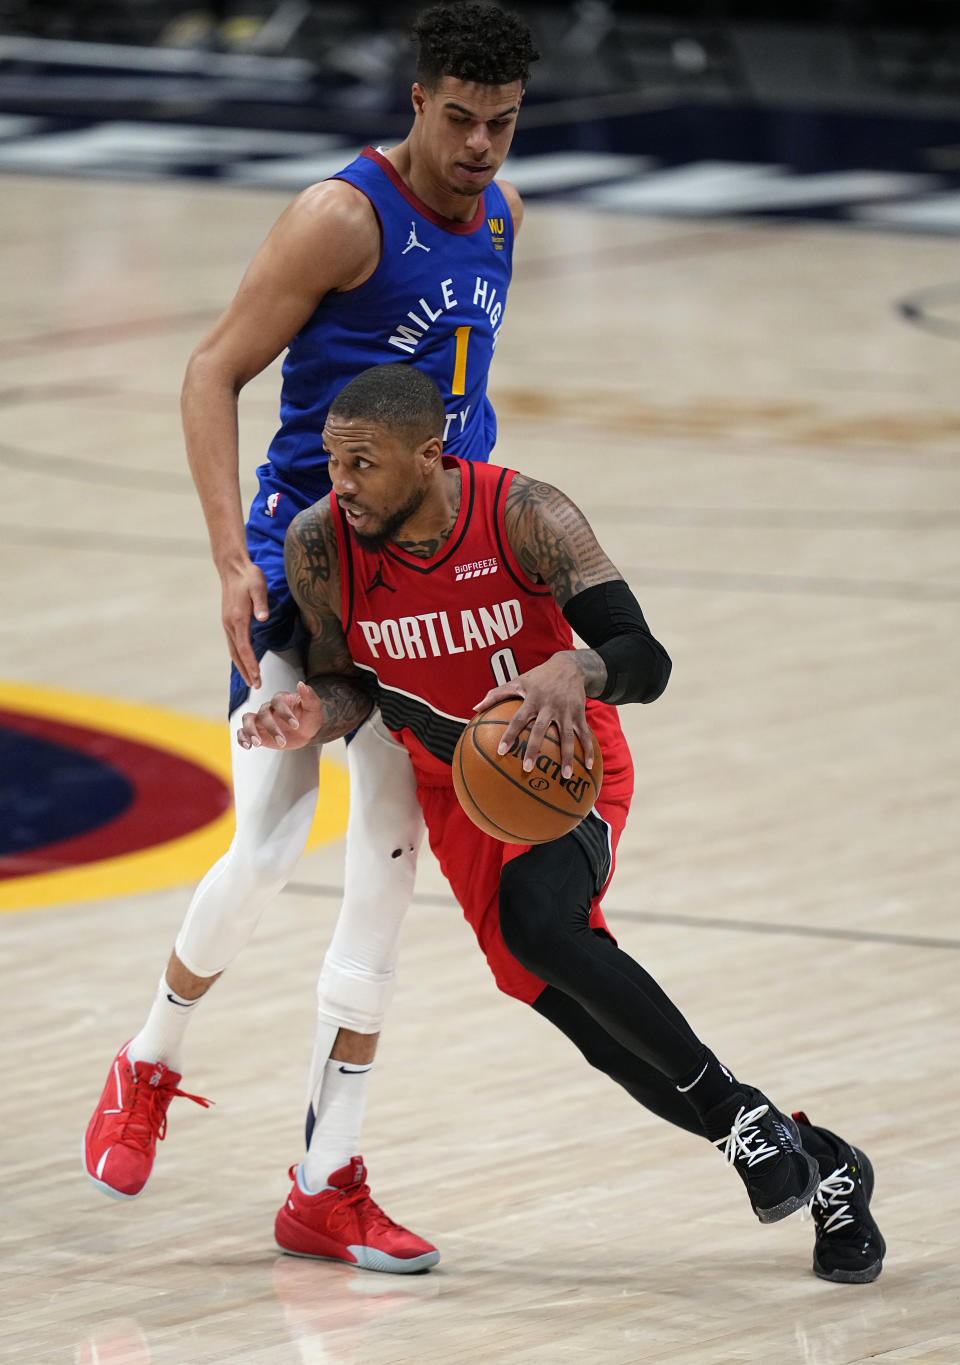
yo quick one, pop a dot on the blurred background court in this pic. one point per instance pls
(732, 337)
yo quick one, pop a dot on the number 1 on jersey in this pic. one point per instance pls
(459, 385)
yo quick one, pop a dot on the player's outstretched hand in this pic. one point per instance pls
(553, 694)
(288, 721)
(244, 594)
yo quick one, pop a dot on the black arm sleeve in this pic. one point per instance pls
(608, 619)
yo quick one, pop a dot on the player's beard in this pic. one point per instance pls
(374, 543)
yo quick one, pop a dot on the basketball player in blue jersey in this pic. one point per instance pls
(405, 255)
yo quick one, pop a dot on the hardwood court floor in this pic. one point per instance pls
(770, 453)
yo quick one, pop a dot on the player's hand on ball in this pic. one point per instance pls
(289, 720)
(510, 803)
(553, 694)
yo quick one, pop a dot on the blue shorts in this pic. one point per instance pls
(276, 504)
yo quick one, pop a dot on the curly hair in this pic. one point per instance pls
(480, 43)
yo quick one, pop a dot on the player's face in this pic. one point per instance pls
(465, 131)
(377, 476)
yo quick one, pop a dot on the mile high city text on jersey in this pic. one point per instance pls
(484, 297)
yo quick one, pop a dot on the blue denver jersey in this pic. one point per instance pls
(436, 300)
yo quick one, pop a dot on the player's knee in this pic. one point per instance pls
(353, 998)
(528, 920)
(271, 835)
(266, 859)
(378, 881)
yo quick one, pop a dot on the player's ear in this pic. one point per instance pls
(431, 453)
(418, 97)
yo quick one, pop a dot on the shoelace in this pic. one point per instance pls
(737, 1144)
(356, 1195)
(832, 1194)
(148, 1112)
(347, 1198)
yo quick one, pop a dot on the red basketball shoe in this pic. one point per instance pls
(344, 1224)
(122, 1135)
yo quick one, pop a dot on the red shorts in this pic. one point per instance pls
(472, 861)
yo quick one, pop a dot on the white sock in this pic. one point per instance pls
(161, 1038)
(336, 1132)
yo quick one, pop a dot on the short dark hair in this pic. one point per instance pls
(394, 396)
(480, 43)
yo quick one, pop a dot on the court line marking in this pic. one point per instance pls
(922, 309)
(737, 926)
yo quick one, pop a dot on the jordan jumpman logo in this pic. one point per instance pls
(377, 581)
(412, 241)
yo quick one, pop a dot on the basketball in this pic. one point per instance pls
(514, 806)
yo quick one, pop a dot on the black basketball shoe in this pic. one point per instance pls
(849, 1248)
(764, 1147)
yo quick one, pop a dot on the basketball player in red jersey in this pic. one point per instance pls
(424, 581)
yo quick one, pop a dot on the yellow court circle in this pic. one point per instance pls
(177, 861)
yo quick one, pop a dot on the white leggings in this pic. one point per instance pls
(275, 794)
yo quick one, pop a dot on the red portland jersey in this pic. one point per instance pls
(438, 633)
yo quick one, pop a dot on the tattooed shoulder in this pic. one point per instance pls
(552, 539)
(310, 557)
(525, 493)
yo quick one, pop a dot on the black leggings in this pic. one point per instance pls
(605, 1003)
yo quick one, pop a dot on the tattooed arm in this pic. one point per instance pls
(336, 696)
(555, 545)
